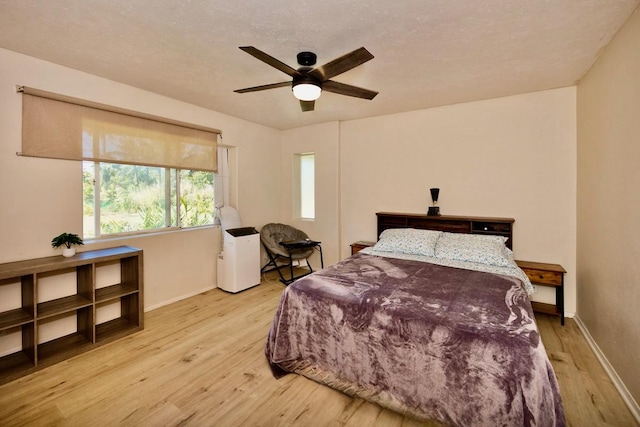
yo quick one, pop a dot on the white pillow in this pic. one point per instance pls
(482, 249)
(408, 241)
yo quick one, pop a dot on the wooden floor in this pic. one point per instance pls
(200, 362)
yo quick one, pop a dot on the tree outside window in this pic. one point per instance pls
(124, 198)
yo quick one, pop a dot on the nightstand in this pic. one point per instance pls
(552, 275)
(360, 245)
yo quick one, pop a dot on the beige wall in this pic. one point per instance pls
(514, 156)
(507, 157)
(322, 140)
(40, 198)
(608, 106)
(511, 156)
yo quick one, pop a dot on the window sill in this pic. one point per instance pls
(143, 234)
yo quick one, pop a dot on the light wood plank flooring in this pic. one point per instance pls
(200, 362)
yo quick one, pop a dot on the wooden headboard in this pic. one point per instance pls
(452, 224)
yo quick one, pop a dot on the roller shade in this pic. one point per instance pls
(60, 127)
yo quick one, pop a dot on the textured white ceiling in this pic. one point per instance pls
(427, 52)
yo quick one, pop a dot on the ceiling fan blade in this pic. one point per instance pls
(307, 105)
(263, 87)
(342, 64)
(345, 89)
(270, 60)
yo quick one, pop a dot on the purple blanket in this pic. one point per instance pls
(433, 342)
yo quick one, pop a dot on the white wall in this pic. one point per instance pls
(609, 203)
(40, 198)
(323, 141)
(512, 156)
(508, 157)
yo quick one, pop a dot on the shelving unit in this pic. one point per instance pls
(32, 315)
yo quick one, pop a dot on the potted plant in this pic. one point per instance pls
(67, 241)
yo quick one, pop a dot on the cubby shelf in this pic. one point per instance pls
(62, 348)
(28, 319)
(114, 329)
(15, 365)
(12, 318)
(114, 292)
(62, 305)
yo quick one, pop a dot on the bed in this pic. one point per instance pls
(435, 325)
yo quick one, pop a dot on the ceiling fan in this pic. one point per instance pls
(308, 82)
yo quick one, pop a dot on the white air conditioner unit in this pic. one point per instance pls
(240, 259)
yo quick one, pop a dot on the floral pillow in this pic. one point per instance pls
(408, 241)
(482, 249)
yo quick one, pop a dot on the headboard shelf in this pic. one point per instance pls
(449, 223)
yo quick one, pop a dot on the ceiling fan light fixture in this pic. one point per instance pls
(307, 91)
(308, 82)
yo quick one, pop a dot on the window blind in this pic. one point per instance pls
(61, 127)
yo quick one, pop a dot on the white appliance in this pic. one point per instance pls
(240, 259)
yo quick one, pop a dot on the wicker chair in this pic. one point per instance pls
(285, 244)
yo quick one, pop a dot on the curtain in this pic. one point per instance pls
(222, 177)
(61, 127)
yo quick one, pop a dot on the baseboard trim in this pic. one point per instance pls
(617, 382)
(179, 298)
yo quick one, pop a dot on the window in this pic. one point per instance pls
(304, 186)
(60, 127)
(140, 172)
(125, 198)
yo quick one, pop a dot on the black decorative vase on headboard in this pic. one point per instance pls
(435, 209)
